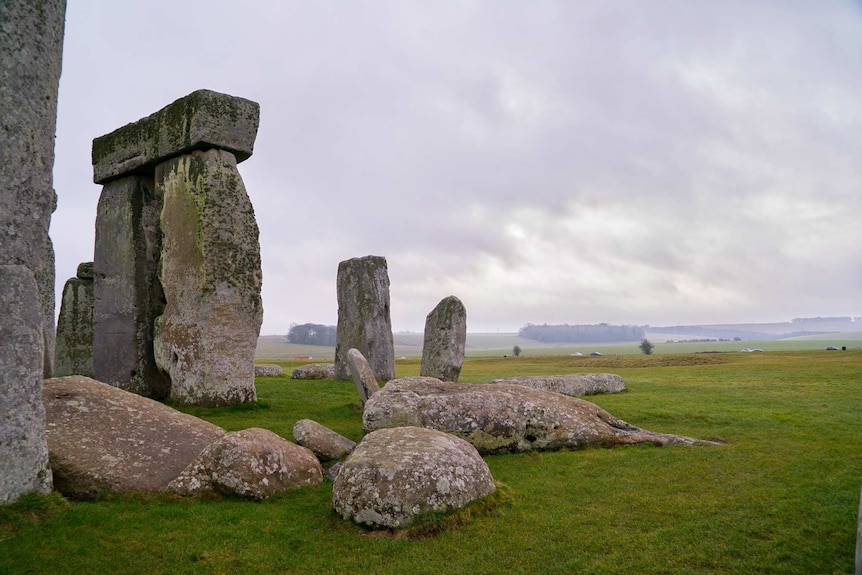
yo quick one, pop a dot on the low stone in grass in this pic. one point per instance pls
(322, 441)
(574, 384)
(314, 371)
(395, 475)
(267, 370)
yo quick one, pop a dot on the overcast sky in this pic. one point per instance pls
(641, 162)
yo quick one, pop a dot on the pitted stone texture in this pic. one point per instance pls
(363, 316)
(23, 448)
(314, 371)
(102, 438)
(201, 120)
(574, 384)
(445, 340)
(75, 326)
(363, 376)
(127, 293)
(254, 463)
(211, 276)
(859, 539)
(267, 370)
(503, 418)
(31, 47)
(322, 441)
(395, 475)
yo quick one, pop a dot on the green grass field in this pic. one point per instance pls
(780, 496)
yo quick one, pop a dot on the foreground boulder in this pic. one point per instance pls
(394, 475)
(326, 444)
(574, 384)
(254, 463)
(101, 438)
(503, 418)
(314, 371)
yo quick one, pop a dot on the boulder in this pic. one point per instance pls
(74, 351)
(363, 377)
(364, 321)
(314, 371)
(101, 438)
(573, 384)
(267, 370)
(395, 475)
(322, 441)
(503, 418)
(254, 463)
(445, 340)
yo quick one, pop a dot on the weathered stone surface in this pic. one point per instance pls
(101, 438)
(75, 326)
(201, 120)
(859, 539)
(394, 475)
(574, 384)
(314, 371)
(23, 449)
(363, 377)
(254, 463)
(363, 316)
(445, 340)
(503, 418)
(31, 48)
(267, 370)
(127, 293)
(211, 276)
(322, 441)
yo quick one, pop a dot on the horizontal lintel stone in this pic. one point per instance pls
(203, 119)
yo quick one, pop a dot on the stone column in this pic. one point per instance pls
(75, 325)
(445, 340)
(363, 316)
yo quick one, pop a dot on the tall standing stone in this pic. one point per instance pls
(75, 325)
(211, 275)
(31, 48)
(445, 340)
(363, 316)
(128, 296)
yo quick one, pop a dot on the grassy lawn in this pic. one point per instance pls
(780, 496)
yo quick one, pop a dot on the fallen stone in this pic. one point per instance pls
(575, 384)
(74, 351)
(326, 444)
(363, 377)
(101, 438)
(201, 120)
(445, 340)
(267, 370)
(503, 418)
(395, 475)
(314, 371)
(254, 463)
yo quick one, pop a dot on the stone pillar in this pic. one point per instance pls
(445, 340)
(75, 325)
(127, 294)
(31, 48)
(363, 316)
(184, 332)
(211, 275)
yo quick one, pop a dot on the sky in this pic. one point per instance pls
(657, 162)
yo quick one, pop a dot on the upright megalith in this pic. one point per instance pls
(445, 340)
(74, 355)
(31, 48)
(179, 293)
(363, 316)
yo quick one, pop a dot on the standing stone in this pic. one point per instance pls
(445, 340)
(363, 376)
(23, 447)
(31, 48)
(127, 294)
(859, 540)
(75, 325)
(363, 316)
(211, 275)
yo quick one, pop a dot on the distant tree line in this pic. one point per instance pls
(818, 319)
(312, 334)
(599, 333)
(729, 333)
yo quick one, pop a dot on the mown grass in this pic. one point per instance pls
(780, 496)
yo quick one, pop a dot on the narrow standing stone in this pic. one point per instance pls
(445, 340)
(363, 316)
(75, 325)
(363, 377)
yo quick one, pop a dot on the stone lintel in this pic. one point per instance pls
(204, 119)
